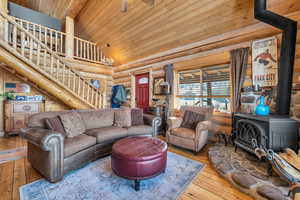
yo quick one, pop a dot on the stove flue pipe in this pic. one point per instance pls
(287, 53)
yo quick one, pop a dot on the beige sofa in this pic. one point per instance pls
(190, 139)
(53, 154)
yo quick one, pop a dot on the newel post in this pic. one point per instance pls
(69, 37)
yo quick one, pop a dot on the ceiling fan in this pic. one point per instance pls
(124, 7)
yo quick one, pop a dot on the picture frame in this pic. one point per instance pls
(157, 88)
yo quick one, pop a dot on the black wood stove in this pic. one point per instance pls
(274, 132)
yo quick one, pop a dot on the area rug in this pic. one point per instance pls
(12, 154)
(96, 181)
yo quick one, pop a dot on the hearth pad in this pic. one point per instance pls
(247, 173)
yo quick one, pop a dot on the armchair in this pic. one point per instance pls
(189, 138)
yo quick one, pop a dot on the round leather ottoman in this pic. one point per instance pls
(138, 158)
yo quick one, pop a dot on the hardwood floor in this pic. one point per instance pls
(207, 186)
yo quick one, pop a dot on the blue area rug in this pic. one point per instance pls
(96, 181)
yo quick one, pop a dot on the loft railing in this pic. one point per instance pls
(27, 47)
(56, 41)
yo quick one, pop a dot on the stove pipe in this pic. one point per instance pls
(287, 53)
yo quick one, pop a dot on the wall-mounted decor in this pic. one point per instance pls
(264, 62)
(157, 89)
(17, 87)
(95, 83)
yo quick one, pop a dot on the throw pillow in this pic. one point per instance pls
(123, 118)
(137, 117)
(73, 124)
(55, 124)
(191, 119)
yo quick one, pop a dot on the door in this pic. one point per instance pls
(142, 91)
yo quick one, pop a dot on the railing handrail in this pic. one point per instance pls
(78, 38)
(35, 24)
(11, 20)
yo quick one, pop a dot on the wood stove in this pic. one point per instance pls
(271, 132)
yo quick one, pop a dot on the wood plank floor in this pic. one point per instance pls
(207, 186)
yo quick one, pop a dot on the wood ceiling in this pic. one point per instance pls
(144, 30)
(55, 8)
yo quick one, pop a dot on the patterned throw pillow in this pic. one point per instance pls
(73, 124)
(137, 117)
(55, 124)
(123, 118)
(191, 119)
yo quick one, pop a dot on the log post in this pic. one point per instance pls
(3, 22)
(3, 35)
(69, 37)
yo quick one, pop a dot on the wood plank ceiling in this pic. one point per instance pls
(144, 30)
(55, 8)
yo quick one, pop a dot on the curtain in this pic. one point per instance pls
(238, 66)
(170, 79)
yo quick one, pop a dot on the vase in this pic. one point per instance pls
(262, 109)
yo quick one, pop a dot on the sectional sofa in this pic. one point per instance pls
(53, 154)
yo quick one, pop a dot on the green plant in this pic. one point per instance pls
(8, 95)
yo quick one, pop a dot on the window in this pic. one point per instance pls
(205, 87)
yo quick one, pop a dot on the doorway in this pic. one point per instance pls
(142, 91)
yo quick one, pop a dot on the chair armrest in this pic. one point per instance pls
(154, 121)
(46, 139)
(174, 122)
(202, 134)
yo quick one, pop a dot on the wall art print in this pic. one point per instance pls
(264, 62)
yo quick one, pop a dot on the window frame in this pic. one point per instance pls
(201, 96)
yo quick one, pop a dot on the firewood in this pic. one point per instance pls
(291, 157)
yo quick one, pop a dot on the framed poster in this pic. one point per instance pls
(264, 62)
(17, 87)
(157, 89)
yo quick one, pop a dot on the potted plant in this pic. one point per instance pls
(8, 95)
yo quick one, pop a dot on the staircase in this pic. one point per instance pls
(39, 60)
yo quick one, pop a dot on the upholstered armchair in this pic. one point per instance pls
(192, 139)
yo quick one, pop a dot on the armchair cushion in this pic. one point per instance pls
(55, 124)
(78, 143)
(184, 133)
(73, 124)
(191, 119)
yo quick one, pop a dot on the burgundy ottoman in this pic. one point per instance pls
(138, 158)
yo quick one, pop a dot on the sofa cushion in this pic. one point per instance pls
(184, 133)
(191, 119)
(139, 130)
(72, 123)
(97, 118)
(122, 117)
(78, 143)
(137, 117)
(38, 119)
(105, 134)
(55, 124)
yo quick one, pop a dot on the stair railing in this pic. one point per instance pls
(27, 47)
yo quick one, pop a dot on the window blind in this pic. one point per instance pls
(207, 82)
